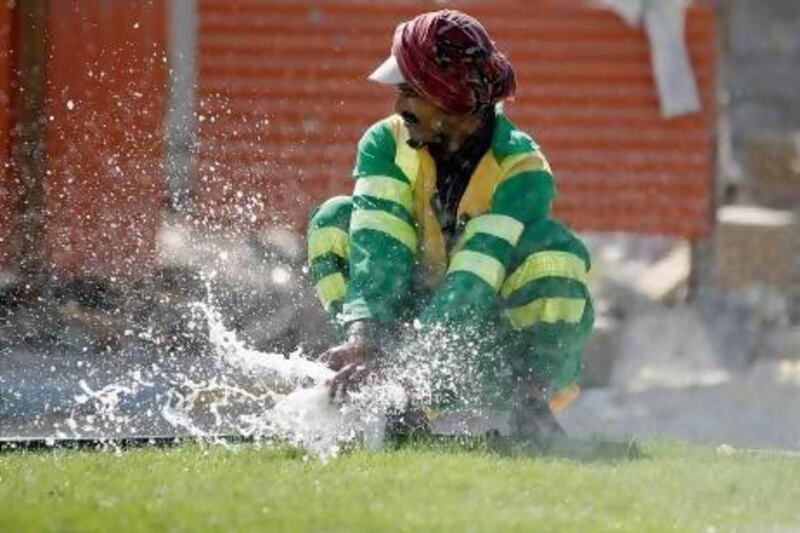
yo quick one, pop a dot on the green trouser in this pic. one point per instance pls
(537, 328)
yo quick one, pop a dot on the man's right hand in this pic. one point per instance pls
(352, 361)
(354, 351)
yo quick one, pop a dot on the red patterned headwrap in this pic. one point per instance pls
(448, 57)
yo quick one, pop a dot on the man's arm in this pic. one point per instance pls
(383, 240)
(479, 267)
(382, 248)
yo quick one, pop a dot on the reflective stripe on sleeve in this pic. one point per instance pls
(387, 223)
(501, 226)
(547, 310)
(328, 240)
(484, 266)
(544, 264)
(330, 289)
(386, 189)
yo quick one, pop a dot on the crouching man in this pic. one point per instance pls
(449, 227)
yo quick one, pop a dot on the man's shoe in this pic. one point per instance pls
(533, 421)
(406, 426)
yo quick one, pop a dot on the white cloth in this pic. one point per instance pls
(664, 21)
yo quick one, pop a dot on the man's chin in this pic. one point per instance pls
(417, 142)
(414, 139)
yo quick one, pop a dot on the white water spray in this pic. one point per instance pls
(237, 391)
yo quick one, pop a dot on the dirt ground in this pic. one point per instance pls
(756, 408)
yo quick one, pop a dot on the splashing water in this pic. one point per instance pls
(237, 391)
(223, 387)
(301, 410)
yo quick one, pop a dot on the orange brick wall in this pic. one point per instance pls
(105, 108)
(7, 188)
(283, 98)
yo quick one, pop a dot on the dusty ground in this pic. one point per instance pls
(702, 373)
(755, 409)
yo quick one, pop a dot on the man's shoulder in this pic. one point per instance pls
(381, 135)
(508, 140)
(377, 147)
(387, 126)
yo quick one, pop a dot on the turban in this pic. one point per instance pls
(448, 58)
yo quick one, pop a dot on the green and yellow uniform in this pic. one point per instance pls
(509, 271)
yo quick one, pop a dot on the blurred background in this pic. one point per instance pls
(163, 152)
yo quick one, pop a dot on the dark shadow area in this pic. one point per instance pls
(582, 450)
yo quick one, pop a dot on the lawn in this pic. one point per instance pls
(190, 488)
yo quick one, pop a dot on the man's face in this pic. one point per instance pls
(426, 123)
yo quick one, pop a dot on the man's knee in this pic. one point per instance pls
(332, 212)
(549, 235)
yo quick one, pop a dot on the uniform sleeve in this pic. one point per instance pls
(478, 269)
(383, 241)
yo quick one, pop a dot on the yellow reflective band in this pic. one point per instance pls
(544, 264)
(501, 226)
(547, 310)
(519, 163)
(511, 160)
(386, 189)
(331, 288)
(385, 223)
(406, 158)
(484, 266)
(328, 240)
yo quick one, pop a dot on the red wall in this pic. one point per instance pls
(283, 99)
(105, 108)
(7, 188)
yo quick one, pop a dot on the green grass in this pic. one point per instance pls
(193, 488)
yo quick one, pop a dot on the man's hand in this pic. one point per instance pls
(353, 362)
(353, 351)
